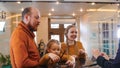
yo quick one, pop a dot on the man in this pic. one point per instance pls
(23, 50)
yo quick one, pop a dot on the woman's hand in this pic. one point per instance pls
(81, 51)
(71, 63)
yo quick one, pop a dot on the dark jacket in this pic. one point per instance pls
(115, 63)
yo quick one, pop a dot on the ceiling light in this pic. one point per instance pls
(57, 2)
(49, 14)
(52, 9)
(19, 2)
(107, 10)
(117, 4)
(81, 10)
(92, 3)
(73, 14)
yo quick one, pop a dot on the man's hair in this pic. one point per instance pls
(26, 11)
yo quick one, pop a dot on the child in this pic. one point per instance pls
(54, 47)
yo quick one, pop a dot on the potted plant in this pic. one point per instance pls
(5, 61)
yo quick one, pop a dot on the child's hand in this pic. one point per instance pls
(54, 57)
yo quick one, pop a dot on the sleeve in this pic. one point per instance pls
(66, 57)
(111, 63)
(101, 60)
(44, 60)
(81, 57)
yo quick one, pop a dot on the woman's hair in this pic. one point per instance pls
(51, 42)
(67, 29)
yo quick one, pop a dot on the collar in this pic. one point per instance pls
(26, 29)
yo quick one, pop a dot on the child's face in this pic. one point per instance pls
(55, 48)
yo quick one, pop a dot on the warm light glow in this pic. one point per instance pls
(118, 4)
(81, 10)
(49, 14)
(9, 17)
(57, 2)
(107, 10)
(93, 3)
(52, 9)
(73, 14)
(22, 9)
(19, 2)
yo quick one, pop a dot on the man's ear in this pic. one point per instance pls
(28, 17)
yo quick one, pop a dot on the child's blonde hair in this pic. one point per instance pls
(51, 42)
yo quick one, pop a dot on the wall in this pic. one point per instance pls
(4, 38)
(42, 32)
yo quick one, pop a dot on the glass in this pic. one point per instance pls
(57, 37)
(65, 25)
(54, 26)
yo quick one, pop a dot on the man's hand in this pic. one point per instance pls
(105, 55)
(96, 53)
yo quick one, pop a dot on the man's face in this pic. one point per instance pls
(34, 19)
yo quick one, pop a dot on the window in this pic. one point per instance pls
(56, 29)
(2, 26)
(107, 38)
(55, 37)
(65, 25)
(54, 26)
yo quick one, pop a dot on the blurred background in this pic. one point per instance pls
(97, 21)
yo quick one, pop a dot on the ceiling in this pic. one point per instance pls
(64, 8)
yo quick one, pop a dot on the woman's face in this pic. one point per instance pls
(55, 48)
(72, 34)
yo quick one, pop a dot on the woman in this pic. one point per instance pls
(73, 47)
